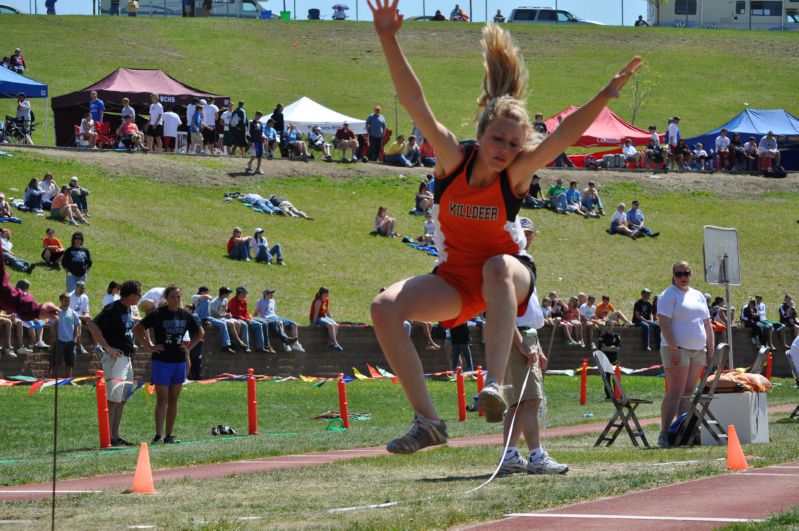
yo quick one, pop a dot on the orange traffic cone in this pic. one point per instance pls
(735, 454)
(143, 478)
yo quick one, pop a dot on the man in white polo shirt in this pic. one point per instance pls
(154, 129)
(210, 116)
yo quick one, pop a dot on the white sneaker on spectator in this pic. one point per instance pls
(42, 345)
(8, 351)
(296, 346)
(24, 350)
(286, 347)
(546, 465)
(514, 464)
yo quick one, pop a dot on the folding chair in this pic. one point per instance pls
(625, 407)
(795, 372)
(104, 136)
(699, 413)
(760, 360)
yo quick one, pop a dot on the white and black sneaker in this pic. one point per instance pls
(515, 464)
(546, 465)
(491, 401)
(423, 433)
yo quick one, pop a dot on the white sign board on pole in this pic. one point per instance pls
(721, 256)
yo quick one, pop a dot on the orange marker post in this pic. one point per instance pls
(480, 384)
(769, 362)
(584, 382)
(617, 390)
(343, 405)
(252, 404)
(461, 395)
(102, 411)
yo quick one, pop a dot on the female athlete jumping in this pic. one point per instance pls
(478, 192)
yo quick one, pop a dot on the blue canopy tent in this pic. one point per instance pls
(758, 122)
(12, 84)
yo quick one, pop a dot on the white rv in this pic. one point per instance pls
(734, 14)
(176, 8)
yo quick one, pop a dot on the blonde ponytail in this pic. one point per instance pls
(505, 82)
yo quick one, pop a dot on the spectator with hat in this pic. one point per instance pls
(237, 306)
(238, 246)
(219, 309)
(17, 62)
(261, 250)
(202, 310)
(318, 143)
(285, 329)
(345, 138)
(644, 318)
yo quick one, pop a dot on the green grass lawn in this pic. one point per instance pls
(342, 66)
(285, 423)
(428, 488)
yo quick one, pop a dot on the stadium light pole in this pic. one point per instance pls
(622, 12)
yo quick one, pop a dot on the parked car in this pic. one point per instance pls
(8, 10)
(546, 15)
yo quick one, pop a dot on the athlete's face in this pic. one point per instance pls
(501, 142)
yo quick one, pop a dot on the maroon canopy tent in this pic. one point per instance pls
(607, 130)
(136, 85)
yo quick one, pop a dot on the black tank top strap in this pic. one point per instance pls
(512, 203)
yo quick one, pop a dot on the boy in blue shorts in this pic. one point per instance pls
(171, 361)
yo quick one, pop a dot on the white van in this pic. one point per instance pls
(174, 8)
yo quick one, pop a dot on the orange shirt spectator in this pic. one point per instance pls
(604, 308)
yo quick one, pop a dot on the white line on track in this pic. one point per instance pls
(631, 517)
(789, 476)
(361, 507)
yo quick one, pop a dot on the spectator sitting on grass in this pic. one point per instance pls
(5, 209)
(17, 264)
(50, 190)
(591, 200)
(320, 315)
(218, 309)
(33, 196)
(412, 152)
(427, 154)
(318, 143)
(384, 225)
(535, 197)
(633, 155)
(618, 222)
(424, 199)
(395, 153)
(573, 200)
(237, 306)
(238, 246)
(53, 250)
(79, 195)
(557, 197)
(287, 208)
(261, 250)
(285, 329)
(635, 222)
(202, 310)
(428, 238)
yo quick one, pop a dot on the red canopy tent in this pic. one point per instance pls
(607, 130)
(136, 85)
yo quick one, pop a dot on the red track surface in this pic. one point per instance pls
(753, 494)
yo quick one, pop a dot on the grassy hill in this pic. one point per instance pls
(162, 219)
(704, 76)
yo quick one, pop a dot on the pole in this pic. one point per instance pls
(252, 404)
(102, 412)
(583, 381)
(55, 442)
(622, 12)
(343, 404)
(423, 7)
(461, 394)
(480, 384)
(725, 279)
(701, 13)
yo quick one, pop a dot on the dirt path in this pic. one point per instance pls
(224, 171)
(216, 470)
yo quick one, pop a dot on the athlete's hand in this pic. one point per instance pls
(386, 19)
(613, 88)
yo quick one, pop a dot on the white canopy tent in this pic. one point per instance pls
(305, 113)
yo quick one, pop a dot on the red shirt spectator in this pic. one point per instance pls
(238, 308)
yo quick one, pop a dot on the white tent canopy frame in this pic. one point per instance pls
(305, 114)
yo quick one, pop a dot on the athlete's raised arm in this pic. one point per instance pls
(409, 91)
